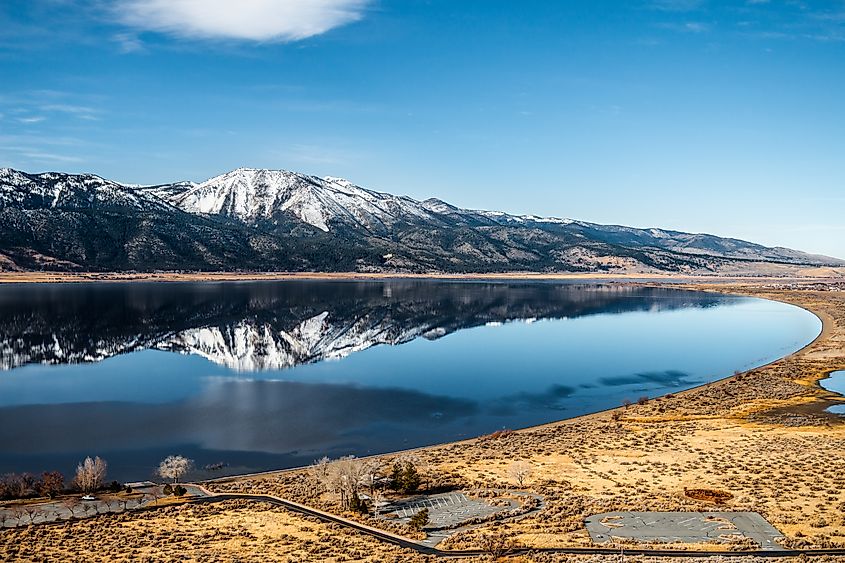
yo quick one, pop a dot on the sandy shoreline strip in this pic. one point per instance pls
(78, 277)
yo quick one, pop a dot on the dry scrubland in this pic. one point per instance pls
(233, 530)
(761, 437)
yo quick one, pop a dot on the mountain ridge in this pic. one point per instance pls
(260, 219)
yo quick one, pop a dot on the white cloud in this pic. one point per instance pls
(256, 20)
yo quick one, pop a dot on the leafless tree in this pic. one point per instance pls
(52, 483)
(497, 545)
(319, 475)
(372, 473)
(89, 507)
(31, 511)
(90, 474)
(520, 471)
(70, 503)
(174, 467)
(372, 477)
(15, 485)
(345, 477)
(377, 496)
(17, 513)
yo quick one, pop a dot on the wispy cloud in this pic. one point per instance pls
(686, 27)
(82, 112)
(254, 20)
(27, 153)
(321, 154)
(128, 42)
(676, 5)
(50, 157)
(36, 106)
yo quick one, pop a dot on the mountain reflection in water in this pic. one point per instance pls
(270, 326)
(91, 369)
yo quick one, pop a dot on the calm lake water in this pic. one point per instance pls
(835, 383)
(262, 375)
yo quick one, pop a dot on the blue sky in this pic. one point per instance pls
(708, 116)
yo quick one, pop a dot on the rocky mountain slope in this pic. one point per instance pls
(250, 219)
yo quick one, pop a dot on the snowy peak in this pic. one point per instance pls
(255, 195)
(54, 190)
(247, 194)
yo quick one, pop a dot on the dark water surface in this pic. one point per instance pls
(261, 375)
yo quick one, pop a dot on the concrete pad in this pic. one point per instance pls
(685, 527)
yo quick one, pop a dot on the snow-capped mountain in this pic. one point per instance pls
(67, 191)
(256, 195)
(251, 219)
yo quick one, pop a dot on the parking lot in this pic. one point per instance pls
(444, 510)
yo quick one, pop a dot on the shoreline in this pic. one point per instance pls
(824, 333)
(638, 277)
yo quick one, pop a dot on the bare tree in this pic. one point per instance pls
(52, 483)
(520, 471)
(345, 477)
(319, 474)
(90, 474)
(174, 467)
(89, 507)
(17, 513)
(70, 503)
(497, 544)
(371, 475)
(31, 512)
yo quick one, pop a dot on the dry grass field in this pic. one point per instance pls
(762, 438)
(233, 530)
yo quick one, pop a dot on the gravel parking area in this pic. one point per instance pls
(686, 527)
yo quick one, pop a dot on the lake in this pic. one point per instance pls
(260, 375)
(836, 383)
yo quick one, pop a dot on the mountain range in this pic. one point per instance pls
(274, 220)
